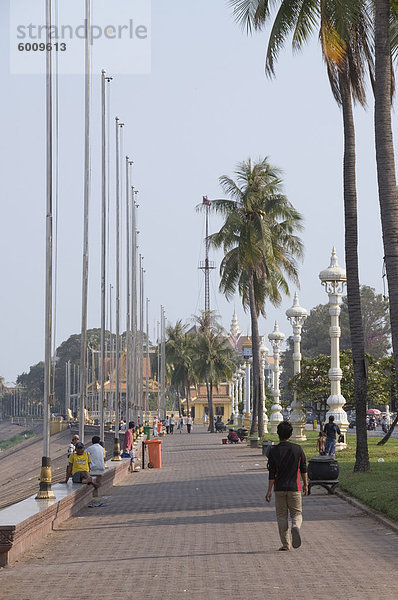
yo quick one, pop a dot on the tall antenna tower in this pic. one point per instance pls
(206, 266)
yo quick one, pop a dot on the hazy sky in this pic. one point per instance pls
(205, 105)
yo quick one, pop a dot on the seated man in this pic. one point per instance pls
(79, 467)
(233, 437)
(97, 458)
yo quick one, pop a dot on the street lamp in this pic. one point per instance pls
(333, 279)
(276, 338)
(296, 316)
(263, 353)
(247, 353)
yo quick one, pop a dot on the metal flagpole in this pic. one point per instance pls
(134, 369)
(103, 256)
(116, 449)
(147, 360)
(141, 338)
(128, 291)
(45, 490)
(83, 340)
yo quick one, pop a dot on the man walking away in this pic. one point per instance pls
(286, 462)
(172, 423)
(331, 430)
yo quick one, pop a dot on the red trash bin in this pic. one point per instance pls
(155, 453)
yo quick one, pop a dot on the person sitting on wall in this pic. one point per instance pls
(79, 467)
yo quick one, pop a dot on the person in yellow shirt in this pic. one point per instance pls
(79, 467)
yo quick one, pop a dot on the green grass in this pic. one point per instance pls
(16, 439)
(377, 488)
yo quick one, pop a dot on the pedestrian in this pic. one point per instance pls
(128, 444)
(97, 456)
(204, 419)
(167, 424)
(320, 443)
(155, 428)
(79, 467)
(181, 423)
(331, 430)
(286, 462)
(189, 424)
(71, 447)
(172, 423)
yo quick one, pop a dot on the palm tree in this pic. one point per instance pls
(179, 357)
(214, 360)
(260, 250)
(385, 16)
(344, 28)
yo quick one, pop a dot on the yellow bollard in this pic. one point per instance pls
(315, 424)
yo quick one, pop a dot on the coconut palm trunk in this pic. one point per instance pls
(353, 286)
(385, 162)
(209, 388)
(257, 413)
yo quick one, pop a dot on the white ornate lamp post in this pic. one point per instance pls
(334, 279)
(296, 316)
(263, 354)
(276, 338)
(240, 394)
(247, 354)
(233, 397)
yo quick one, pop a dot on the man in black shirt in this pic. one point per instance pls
(286, 462)
(331, 430)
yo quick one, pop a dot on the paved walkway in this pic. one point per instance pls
(199, 528)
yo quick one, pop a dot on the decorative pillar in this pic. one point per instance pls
(333, 279)
(276, 338)
(233, 397)
(240, 396)
(247, 354)
(296, 316)
(247, 411)
(263, 353)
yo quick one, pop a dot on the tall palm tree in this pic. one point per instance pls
(385, 17)
(260, 249)
(344, 32)
(215, 359)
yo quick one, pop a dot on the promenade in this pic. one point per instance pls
(200, 528)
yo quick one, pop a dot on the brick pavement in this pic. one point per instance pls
(199, 528)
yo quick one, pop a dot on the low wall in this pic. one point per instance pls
(27, 522)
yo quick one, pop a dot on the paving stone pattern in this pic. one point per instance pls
(200, 528)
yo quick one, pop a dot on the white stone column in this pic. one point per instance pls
(263, 354)
(240, 397)
(232, 394)
(247, 394)
(334, 278)
(297, 315)
(276, 338)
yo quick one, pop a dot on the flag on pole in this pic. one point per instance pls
(206, 201)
